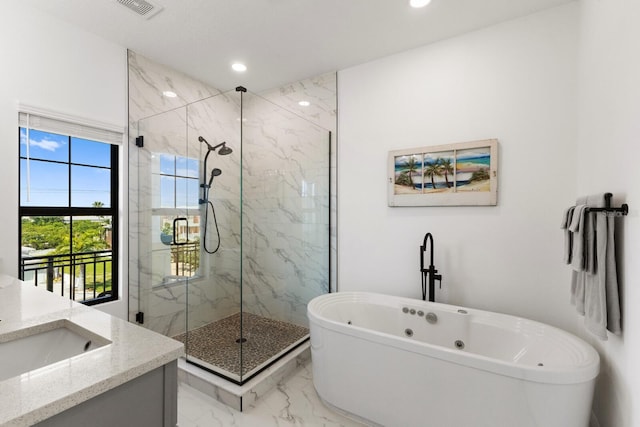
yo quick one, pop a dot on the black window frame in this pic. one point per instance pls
(75, 212)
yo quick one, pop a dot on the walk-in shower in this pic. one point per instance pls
(235, 296)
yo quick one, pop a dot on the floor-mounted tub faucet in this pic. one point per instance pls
(429, 275)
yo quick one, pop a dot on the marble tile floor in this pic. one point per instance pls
(294, 402)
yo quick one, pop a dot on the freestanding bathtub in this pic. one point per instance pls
(402, 362)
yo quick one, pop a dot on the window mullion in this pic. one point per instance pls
(69, 177)
(72, 265)
(175, 182)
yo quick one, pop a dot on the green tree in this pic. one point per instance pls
(412, 167)
(88, 236)
(41, 220)
(43, 233)
(480, 175)
(403, 179)
(446, 168)
(431, 171)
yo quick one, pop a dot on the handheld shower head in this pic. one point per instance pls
(214, 172)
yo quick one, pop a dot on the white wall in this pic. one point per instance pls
(46, 63)
(514, 82)
(608, 154)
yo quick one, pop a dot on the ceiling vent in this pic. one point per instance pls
(142, 8)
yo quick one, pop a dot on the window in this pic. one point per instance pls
(68, 213)
(176, 249)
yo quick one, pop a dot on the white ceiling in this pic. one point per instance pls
(281, 41)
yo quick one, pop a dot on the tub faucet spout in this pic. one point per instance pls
(429, 275)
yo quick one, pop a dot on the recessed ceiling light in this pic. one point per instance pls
(239, 67)
(169, 94)
(304, 103)
(419, 3)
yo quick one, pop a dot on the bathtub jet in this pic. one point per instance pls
(373, 354)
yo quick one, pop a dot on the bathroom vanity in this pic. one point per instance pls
(66, 364)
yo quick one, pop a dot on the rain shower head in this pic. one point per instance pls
(224, 150)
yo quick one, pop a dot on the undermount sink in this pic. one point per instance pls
(38, 346)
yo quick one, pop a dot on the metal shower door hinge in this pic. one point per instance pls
(140, 141)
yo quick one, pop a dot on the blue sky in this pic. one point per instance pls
(179, 183)
(48, 182)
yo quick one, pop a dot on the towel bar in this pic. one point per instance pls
(623, 210)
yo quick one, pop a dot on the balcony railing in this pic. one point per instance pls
(185, 259)
(82, 277)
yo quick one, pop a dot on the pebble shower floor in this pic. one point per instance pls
(218, 343)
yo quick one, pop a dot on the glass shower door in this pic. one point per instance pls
(214, 323)
(185, 230)
(166, 220)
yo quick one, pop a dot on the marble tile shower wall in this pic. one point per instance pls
(274, 251)
(285, 212)
(321, 93)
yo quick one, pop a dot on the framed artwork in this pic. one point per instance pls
(462, 174)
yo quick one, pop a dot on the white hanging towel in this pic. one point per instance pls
(594, 290)
(568, 235)
(577, 229)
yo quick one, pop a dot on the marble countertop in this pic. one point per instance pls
(39, 394)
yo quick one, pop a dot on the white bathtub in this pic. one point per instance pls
(377, 358)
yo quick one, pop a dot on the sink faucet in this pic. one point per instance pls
(429, 275)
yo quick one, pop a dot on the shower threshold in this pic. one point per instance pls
(244, 397)
(224, 350)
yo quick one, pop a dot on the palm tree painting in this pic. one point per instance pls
(462, 174)
(446, 167)
(431, 171)
(408, 171)
(438, 172)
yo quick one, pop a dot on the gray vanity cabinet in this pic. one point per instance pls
(148, 400)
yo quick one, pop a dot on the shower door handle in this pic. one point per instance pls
(175, 231)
